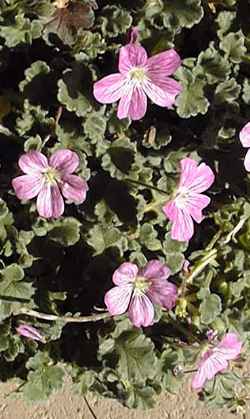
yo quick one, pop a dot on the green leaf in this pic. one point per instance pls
(36, 69)
(22, 31)
(227, 91)
(148, 237)
(212, 65)
(210, 308)
(95, 126)
(140, 397)
(233, 46)
(73, 90)
(225, 20)
(246, 91)
(43, 382)
(12, 284)
(137, 361)
(191, 101)
(115, 20)
(103, 237)
(182, 13)
(173, 251)
(65, 231)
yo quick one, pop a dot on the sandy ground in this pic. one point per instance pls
(66, 405)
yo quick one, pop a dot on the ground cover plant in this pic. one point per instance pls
(125, 198)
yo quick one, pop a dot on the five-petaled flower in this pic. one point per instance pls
(139, 77)
(137, 290)
(216, 359)
(188, 201)
(50, 180)
(245, 141)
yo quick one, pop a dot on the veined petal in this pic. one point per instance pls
(33, 162)
(50, 202)
(163, 95)
(182, 224)
(141, 310)
(65, 161)
(245, 135)
(195, 204)
(199, 379)
(125, 274)
(163, 64)
(133, 105)
(162, 292)
(74, 188)
(210, 365)
(111, 88)
(155, 270)
(230, 346)
(27, 186)
(132, 55)
(194, 177)
(117, 299)
(247, 161)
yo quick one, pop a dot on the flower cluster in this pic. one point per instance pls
(52, 180)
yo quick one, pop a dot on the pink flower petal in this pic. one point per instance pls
(74, 188)
(132, 55)
(141, 311)
(247, 161)
(125, 274)
(65, 161)
(117, 299)
(27, 186)
(182, 224)
(155, 269)
(163, 64)
(216, 360)
(194, 177)
(30, 332)
(111, 88)
(163, 293)
(133, 105)
(245, 135)
(195, 204)
(162, 94)
(230, 346)
(50, 202)
(33, 162)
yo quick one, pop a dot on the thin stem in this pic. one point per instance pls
(153, 206)
(236, 230)
(66, 319)
(210, 257)
(136, 182)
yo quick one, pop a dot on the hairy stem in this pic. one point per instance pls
(136, 182)
(66, 319)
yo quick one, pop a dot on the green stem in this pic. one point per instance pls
(153, 206)
(136, 182)
(210, 257)
(66, 319)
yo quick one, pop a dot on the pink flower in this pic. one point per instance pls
(137, 291)
(245, 141)
(30, 332)
(49, 180)
(216, 360)
(139, 77)
(188, 201)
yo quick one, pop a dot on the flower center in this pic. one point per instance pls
(181, 197)
(137, 75)
(51, 175)
(141, 285)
